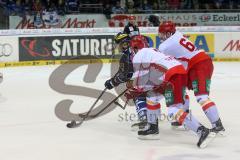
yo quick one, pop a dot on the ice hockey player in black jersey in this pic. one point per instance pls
(125, 71)
(124, 74)
(131, 28)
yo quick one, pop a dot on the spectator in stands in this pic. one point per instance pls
(146, 7)
(206, 4)
(163, 5)
(218, 4)
(123, 4)
(37, 6)
(3, 2)
(61, 7)
(195, 4)
(155, 6)
(71, 5)
(107, 10)
(10, 5)
(238, 4)
(50, 16)
(234, 4)
(18, 8)
(185, 4)
(117, 9)
(138, 6)
(37, 11)
(27, 6)
(130, 7)
(174, 4)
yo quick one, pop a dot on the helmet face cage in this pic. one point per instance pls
(121, 41)
(122, 46)
(138, 42)
(166, 29)
(164, 35)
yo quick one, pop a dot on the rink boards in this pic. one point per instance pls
(93, 45)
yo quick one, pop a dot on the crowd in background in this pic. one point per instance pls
(25, 7)
(48, 12)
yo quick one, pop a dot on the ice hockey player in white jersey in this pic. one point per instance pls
(199, 68)
(155, 74)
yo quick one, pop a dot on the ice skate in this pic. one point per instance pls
(151, 132)
(219, 129)
(206, 136)
(138, 126)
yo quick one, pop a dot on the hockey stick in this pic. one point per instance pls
(73, 123)
(120, 105)
(109, 104)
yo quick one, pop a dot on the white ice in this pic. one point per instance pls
(29, 129)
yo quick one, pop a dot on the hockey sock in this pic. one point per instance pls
(211, 111)
(186, 103)
(141, 108)
(153, 111)
(184, 118)
(190, 122)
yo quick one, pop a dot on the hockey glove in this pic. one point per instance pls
(129, 84)
(108, 84)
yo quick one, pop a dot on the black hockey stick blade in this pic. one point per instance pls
(74, 124)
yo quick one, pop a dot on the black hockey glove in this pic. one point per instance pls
(108, 84)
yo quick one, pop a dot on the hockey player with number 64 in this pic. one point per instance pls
(156, 73)
(199, 68)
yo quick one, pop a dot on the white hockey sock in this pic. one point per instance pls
(211, 112)
(153, 111)
(191, 122)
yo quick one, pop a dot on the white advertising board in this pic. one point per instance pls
(67, 21)
(222, 42)
(181, 19)
(119, 20)
(227, 45)
(9, 49)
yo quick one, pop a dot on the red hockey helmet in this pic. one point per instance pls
(167, 26)
(138, 42)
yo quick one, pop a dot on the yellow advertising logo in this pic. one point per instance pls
(201, 41)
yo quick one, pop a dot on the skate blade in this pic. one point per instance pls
(149, 137)
(209, 138)
(222, 134)
(134, 128)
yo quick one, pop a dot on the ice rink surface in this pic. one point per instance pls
(30, 130)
